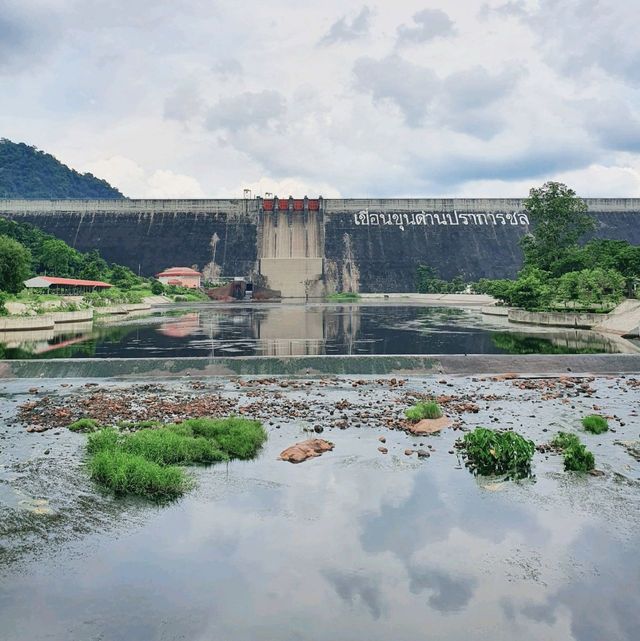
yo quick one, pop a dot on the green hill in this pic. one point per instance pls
(27, 172)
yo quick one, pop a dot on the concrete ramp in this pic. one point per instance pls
(624, 320)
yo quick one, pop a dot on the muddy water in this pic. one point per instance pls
(353, 545)
(287, 329)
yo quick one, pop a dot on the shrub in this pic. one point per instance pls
(84, 425)
(494, 452)
(595, 424)
(428, 409)
(126, 473)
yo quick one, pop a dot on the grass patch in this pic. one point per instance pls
(577, 458)
(595, 424)
(136, 462)
(125, 473)
(492, 452)
(426, 409)
(343, 296)
(84, 425)
(238, 437)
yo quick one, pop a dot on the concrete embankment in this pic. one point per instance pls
(314, 366)
(624, 320)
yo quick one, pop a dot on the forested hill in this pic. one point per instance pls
(27, 172)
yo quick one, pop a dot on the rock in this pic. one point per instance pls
(429, 425)
(318, 429)
(423, 454)
(408, 452)
(383, 450)
(306, 449)
(33, 390)
(382, 439)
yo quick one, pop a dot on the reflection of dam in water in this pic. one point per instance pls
(308, 330)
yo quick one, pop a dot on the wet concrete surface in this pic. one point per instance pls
(354, 544)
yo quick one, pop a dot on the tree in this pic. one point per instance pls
(123, 277)
(93, 267)
(157, 288)
(559, 220)
(591, 286)
(58, 259)
(15, 265)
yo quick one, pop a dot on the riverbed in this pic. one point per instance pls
(356, 544)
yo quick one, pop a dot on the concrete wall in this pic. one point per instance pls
(367, 245)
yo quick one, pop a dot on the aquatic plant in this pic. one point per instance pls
(424, 409)
(115, 456)
(495, 452)
(595, 424)
(577, 458)
(126, 473)
(84, 425)
(237, 436)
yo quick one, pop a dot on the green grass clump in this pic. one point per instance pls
(238, 437)
(577, 458)
(143, 461)
(493, 452)
(343, 296)
(84, 425)
(595, 424)
(166, 447)
(427, 409)
(125, 473)
(563, 441)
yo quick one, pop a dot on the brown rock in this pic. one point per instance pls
(383, 450)
(306, 449)
(429, 425)
(382, 439)
(408, 452)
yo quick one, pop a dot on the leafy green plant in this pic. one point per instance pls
(494, 452)
(84, 425)
(577, 458)
(425, 409)
(595, 424)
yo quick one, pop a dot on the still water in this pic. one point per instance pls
(283, 330)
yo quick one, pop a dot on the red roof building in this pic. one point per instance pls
(54, 283)
(181, 276)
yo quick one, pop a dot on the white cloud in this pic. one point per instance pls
(215, 97)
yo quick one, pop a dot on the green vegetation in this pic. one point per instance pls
(343, 296)
(494, 452)
(428, 282)
(426, 409)
(85, 425)
(15, 263)
(143, 461)
(522, 344)
(595, 424)
(27, 172)
(560, 271)
(577, 458)
(125, 473)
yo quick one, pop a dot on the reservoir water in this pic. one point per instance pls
(313, 329)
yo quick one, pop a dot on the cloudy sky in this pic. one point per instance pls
(202, 98)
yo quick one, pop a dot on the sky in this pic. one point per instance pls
(204, 98)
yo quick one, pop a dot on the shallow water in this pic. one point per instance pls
(287, 329)
(353, 545)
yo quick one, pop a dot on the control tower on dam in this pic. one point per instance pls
(307, 247)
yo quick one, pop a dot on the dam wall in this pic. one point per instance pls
(305, 247)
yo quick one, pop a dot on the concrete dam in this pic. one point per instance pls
(309, 247)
